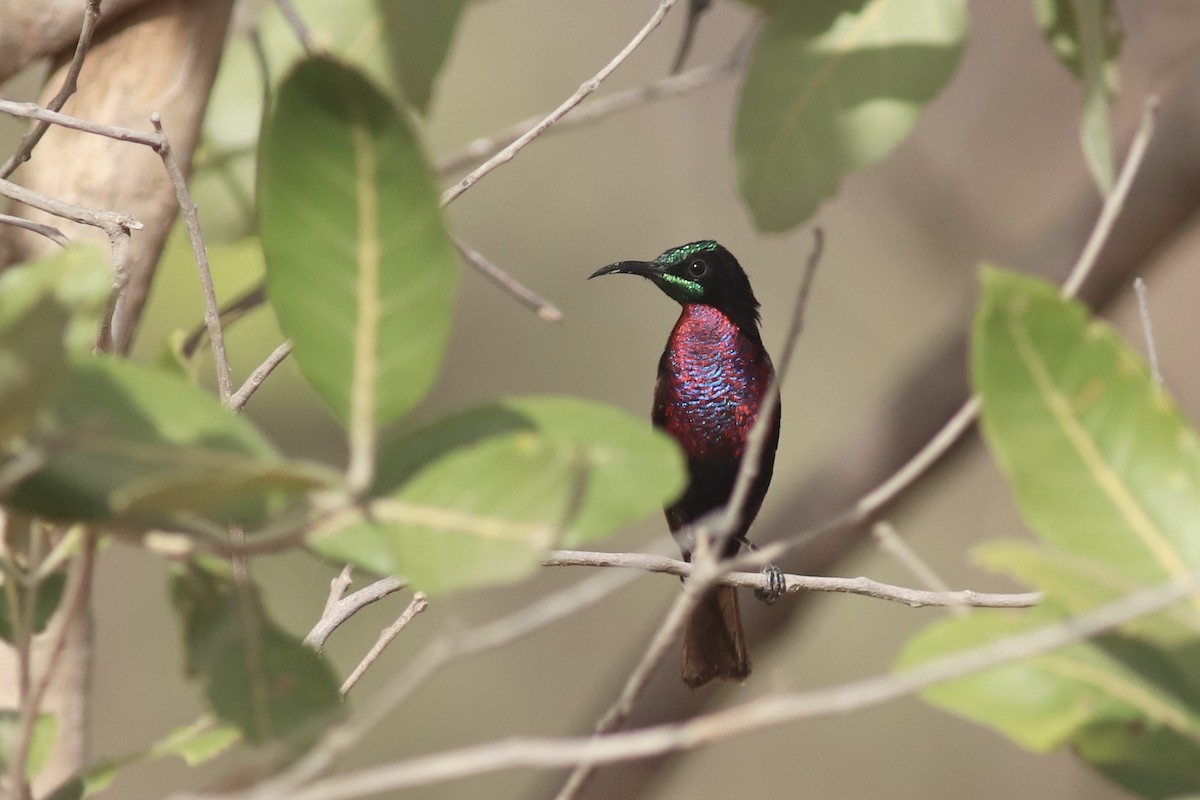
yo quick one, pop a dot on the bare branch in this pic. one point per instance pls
(191, 218)
(107, 221)
(596, 110)
(772, 710)
(34, 111)
(418, 604)
(91, 16)
(344, 608)
(238, 400)
(521, 293)
(1139, 289)
(891, 543)
(589, 86)
(799, 583)
(489, 636)
(49, 231)
(296, 22)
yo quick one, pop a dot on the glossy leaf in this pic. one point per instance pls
(1100, 459)
(478, 498)
(255, 675)
(360, 269)
(197, 743)
(831, 88)
(419, 32)
(148, 448)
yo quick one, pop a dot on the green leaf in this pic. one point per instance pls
(77, 278)
(45, 732)
(419, 32)
(478, 498)
(360, 269)
(831, 88)
(1061, 27)
(1086, 36)
(1075, 583)
(49, 595)
(1101, 461)
(148, 448)
(1044, 702)
(255, 676)
(32, 363)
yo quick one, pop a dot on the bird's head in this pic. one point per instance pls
(702, 273)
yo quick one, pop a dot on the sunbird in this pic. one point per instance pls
(713, 377)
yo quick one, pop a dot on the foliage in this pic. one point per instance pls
(1106, 471)
(343, 208)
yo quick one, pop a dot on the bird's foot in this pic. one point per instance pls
(776, 585)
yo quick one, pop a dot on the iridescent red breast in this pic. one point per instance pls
(712, 380)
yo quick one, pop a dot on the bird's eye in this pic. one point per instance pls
(697, 268)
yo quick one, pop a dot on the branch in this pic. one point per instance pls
(91, 16)
(798, 583)
(238, 400)
(589, 86)
(191, 218)
(418, 604)
(598, 109)
(521, 293)
(49, 231)
(344, 608)
(489, 636)
(777, 709)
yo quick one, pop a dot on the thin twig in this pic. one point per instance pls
(50, 232)
(517, 290)
(230, 313)
(595, 110)
(338, 586)
(754, 716)
(296, 22)
(191, 218)
(75, 606)
(484, 638)
(344, 608)
(891, 543)
(107, 221)
(589, 86)
(34, 111)
(418, 604)
(867, 587)
(91, 15)
(1139, 289)
(238, 400)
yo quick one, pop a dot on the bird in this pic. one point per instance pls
(713, 378)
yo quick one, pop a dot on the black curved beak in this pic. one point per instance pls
(646, 269)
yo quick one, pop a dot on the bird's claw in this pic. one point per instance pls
(776, 585)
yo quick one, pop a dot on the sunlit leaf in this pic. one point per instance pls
(1100, 459)
(255, 675)
(360, 269)
(147, 447)
(831, 88)
(479, 497)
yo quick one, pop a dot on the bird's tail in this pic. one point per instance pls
(714, 645)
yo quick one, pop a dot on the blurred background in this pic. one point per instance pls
(992, 173)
